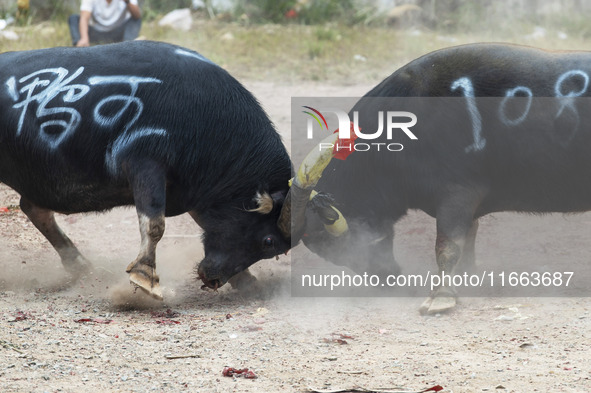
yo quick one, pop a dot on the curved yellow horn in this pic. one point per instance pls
(302, 191)
(339, 226)
(315, 163)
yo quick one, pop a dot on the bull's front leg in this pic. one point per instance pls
(448, 252)
(148, 184)
(468, 261)
(44, 221)
(456, 233)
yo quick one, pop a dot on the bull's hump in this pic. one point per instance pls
(195, 55)
(491, 68)
(174, 52)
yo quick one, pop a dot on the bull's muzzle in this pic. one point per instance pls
(212, 281)
(214, 271)
(292, 220)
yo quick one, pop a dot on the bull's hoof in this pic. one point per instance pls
(424, 308)
(145, 278)
(440, 301)
(78, 267)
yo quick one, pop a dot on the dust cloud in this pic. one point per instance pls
(110, 241)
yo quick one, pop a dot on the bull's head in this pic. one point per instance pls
(292, 222)
(236, 238)
(276, 222)
(364, 244)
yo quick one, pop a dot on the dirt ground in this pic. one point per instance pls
(98, 335)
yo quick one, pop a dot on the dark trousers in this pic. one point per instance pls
(130, 30)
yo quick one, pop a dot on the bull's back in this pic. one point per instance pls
(490, 70)
(70, 115)
(511, 122)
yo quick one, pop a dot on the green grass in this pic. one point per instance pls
(292, 53)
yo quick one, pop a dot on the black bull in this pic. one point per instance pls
(145, 124)
(511, 134)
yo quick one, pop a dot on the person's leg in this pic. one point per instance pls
(128, 31)
(74, 24)
(104, 37)
(132, 29)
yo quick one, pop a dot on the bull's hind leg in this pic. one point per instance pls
(456, 231)
(44, 221)
(148, 183)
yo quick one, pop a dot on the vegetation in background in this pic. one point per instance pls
(51, 10)
(293, 52)
(318, 12)
(452, 16)
(265, 11)
(153, 9)
(55, 10)
(165, 5)
(350, 48)
(297, 11)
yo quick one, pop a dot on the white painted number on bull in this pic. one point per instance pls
(565, 98)
(509, 95)
(11, 86)
(466, 85)
(126, 100)
(48, 91)
(39, 87)
(195, 55)
(568, 75)
(126, 139)
(567, 101)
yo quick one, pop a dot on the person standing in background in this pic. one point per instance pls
(105, 21)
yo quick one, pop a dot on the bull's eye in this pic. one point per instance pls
(268, 242)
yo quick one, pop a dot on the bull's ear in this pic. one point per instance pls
(264, 203)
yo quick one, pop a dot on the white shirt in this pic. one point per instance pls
(107, 16)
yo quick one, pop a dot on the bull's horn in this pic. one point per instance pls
(294, 209)
(314, 164)
(300, 192)
(333, 219)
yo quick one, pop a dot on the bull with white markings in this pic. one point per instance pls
(511, 134)
(146, 124)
